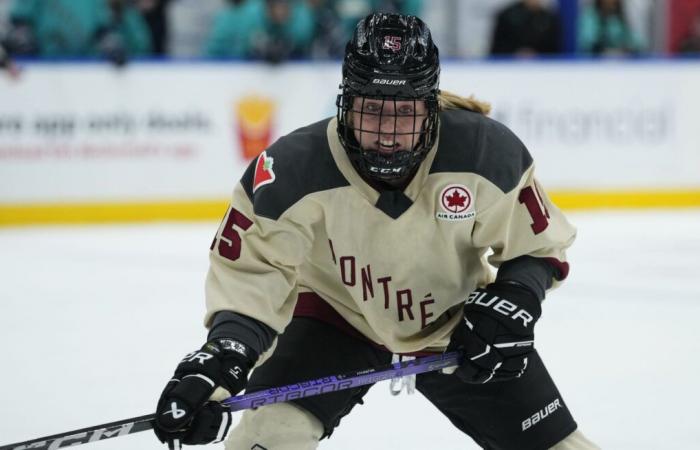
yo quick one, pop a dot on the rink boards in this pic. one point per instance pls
(85, 142)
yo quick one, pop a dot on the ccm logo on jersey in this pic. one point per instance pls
(541, 414)
(500, 305)
(263, 171)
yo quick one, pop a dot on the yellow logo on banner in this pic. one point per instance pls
(255, 117)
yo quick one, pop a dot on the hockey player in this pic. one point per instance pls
(366, 234)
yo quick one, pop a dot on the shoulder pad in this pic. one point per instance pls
(472, 142)
(296, 165)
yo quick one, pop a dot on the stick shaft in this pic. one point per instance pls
(341, 382)
(253, 400)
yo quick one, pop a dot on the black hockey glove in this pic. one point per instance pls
(184, 415)
(496, 334)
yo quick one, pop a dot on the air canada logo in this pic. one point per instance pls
(392, 43)
(263, 171)
(456, 203)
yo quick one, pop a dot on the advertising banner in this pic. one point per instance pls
(72, 133)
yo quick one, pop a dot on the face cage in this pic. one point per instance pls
(386, 167)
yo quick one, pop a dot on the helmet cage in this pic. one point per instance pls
(401, 162)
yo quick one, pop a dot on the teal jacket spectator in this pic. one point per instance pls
(351, 11)
(603, 30)
(128, 23)
(262, 29)
(57, 28)
(76, 28)
(231, 31)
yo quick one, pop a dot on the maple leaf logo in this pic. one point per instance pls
(455, 200)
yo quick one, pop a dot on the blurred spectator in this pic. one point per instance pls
(4, 56)
(4, 14)
(526, 28)
(77, 28)
(271, 30)
(412, 7)
(3, 31)
(329, 37)
(351, 11)
(285, 33)
(56, 28)
(603, 30)
(190, 23)
(127, 29)
(334, 21)
(690, 45)
(6, 62)
(154, 13)
(230, 32)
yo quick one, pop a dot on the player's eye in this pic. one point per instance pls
(406, 110)
(373, 108)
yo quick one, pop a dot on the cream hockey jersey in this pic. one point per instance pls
(397, 266)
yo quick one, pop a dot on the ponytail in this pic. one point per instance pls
(448, 100)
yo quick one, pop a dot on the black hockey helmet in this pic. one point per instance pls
(391, 57)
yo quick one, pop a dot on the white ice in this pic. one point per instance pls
(94, 319)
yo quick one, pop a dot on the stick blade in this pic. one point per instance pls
(86, 435)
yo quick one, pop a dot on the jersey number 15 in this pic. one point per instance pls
(230, 242)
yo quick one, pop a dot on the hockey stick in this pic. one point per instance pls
(253, 400)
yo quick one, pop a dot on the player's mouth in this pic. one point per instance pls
(387, 147)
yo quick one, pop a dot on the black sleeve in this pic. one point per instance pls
(534, 273)
(253, 333)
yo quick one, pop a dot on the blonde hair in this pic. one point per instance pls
(448, 100)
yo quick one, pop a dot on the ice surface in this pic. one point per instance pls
(94, 319)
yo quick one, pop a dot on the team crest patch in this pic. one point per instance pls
(456, 203)
(263, 171)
